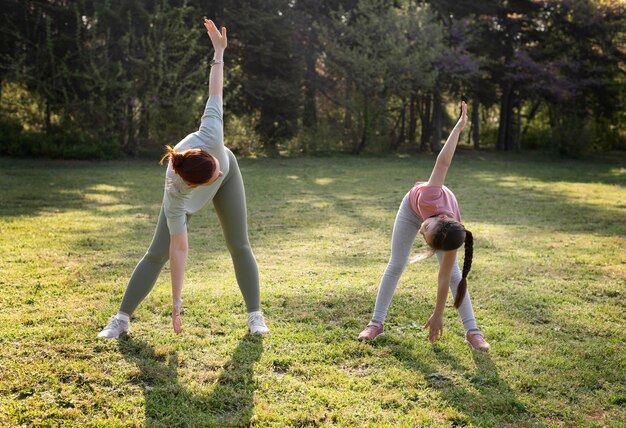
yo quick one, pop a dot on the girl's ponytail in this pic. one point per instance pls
(467, 265)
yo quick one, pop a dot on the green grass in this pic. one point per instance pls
(548, 287)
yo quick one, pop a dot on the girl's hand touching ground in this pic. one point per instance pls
(435, 323)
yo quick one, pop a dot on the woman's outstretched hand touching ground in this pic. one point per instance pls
(177, 321)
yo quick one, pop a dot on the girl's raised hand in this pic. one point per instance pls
(218, 38)
(463, 119)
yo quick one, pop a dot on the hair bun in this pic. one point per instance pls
(177, 159)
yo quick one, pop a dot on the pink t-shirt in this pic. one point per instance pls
(428, 201)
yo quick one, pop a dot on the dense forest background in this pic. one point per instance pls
(107, 78)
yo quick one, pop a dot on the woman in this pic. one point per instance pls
(200, 169)
(431, 209)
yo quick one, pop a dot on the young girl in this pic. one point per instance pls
(431, 209)
(200, 169)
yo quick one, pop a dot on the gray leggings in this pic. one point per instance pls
(405, 230)
(230, 205)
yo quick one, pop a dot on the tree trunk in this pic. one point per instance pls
(267, 122)
(365, 134)
(530, 116)
(130, 146)
(435, 141)
(48, 120)
(518, 128)
(425, 118)
(506, 110)
(476, 123)
(397, 142)
(309, 114)
(347, 117)
(144, 127)
(413, 121)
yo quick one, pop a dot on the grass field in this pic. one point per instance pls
(548, 285)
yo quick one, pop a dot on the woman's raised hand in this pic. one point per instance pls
(217, 38)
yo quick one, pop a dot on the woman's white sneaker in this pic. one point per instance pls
(114, 329)
(256, 323)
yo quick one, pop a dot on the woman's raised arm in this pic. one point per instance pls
(219, 40)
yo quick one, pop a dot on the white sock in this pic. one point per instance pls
(123, 317)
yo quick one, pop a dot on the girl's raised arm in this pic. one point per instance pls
(444, 159)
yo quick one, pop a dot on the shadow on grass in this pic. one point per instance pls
(35, 187)
(543, 209)
(477, 393)
(549, 169)
(229, 400)
(490, 401)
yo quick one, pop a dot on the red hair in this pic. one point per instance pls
(195, 166)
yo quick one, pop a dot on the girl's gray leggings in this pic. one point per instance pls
(230, 205)
(405, 230)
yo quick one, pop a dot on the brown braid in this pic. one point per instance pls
(467, 265)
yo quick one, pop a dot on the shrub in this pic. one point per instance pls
(14, 141)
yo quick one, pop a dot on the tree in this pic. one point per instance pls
(43, 53)
(581, 66)
(266, 83)
(379, 51)
(426, 40)
(159, 52)
(113, 68)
